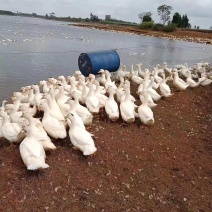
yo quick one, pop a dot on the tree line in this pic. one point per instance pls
(164, 12)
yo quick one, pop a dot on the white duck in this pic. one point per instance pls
(120, 90)
(78, 119)
(152, 92)
(92, 102)
(166, 69)
(101, 88)
(81, 79)
(101, 97)
(67, 87)
(61, 101)
(136, 79)
(140, 72)
(164, 88)
(204, 81)
(178, 82)
(150, 101)
(85, 91)
(120, 72)
(109, 82)
(102, 80)
(53, 127)
(157, 78)
(38, 96)
(111, 107)
(127, 107)
(3, 105)
(133, 72)
(77, 74)
(160, 70)
(184, 71)
(11, 131)
(190, 81)
(14, 114)
(127, 74)
(38, 132)
(45, 86)
(32, 152)
(194, 74)
(23, 97)
(74, 87)
(31, 95)
(80, 138)
(31, 110)
(82, 111)
(54, 108)
(132, 98)
(144, 111)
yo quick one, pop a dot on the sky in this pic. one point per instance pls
(199, 12)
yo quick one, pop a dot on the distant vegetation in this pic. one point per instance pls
(52, 16)
(4, 12)
(167, 25)
(147, 22)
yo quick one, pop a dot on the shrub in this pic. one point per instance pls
(158, 27)
(170, 28)
(147, 25)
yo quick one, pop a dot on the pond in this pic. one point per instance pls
(33, 49)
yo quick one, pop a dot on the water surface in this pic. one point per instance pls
(33, 49)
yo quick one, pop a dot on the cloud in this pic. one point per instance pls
(199, 12)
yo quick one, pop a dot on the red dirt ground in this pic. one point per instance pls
(165, 167)
(179, 34)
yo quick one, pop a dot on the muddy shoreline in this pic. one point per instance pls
(183, 35)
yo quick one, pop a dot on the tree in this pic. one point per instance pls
(91, 16)
(94, 17)
(177, 19)
(52, 15)
(185, 22)
(164, 12)
(145, 16)
(34, 14)
(210, 28)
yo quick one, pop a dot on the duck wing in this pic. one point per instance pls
(31, 147)
(81, 136)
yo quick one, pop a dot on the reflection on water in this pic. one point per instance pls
(33, 49)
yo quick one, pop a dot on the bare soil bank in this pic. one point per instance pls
(165, 167)
(185, 35)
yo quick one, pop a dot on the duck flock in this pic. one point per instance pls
(69, 104)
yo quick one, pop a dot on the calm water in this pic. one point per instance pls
(34, 49)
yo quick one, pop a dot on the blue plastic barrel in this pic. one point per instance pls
(92, 62)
